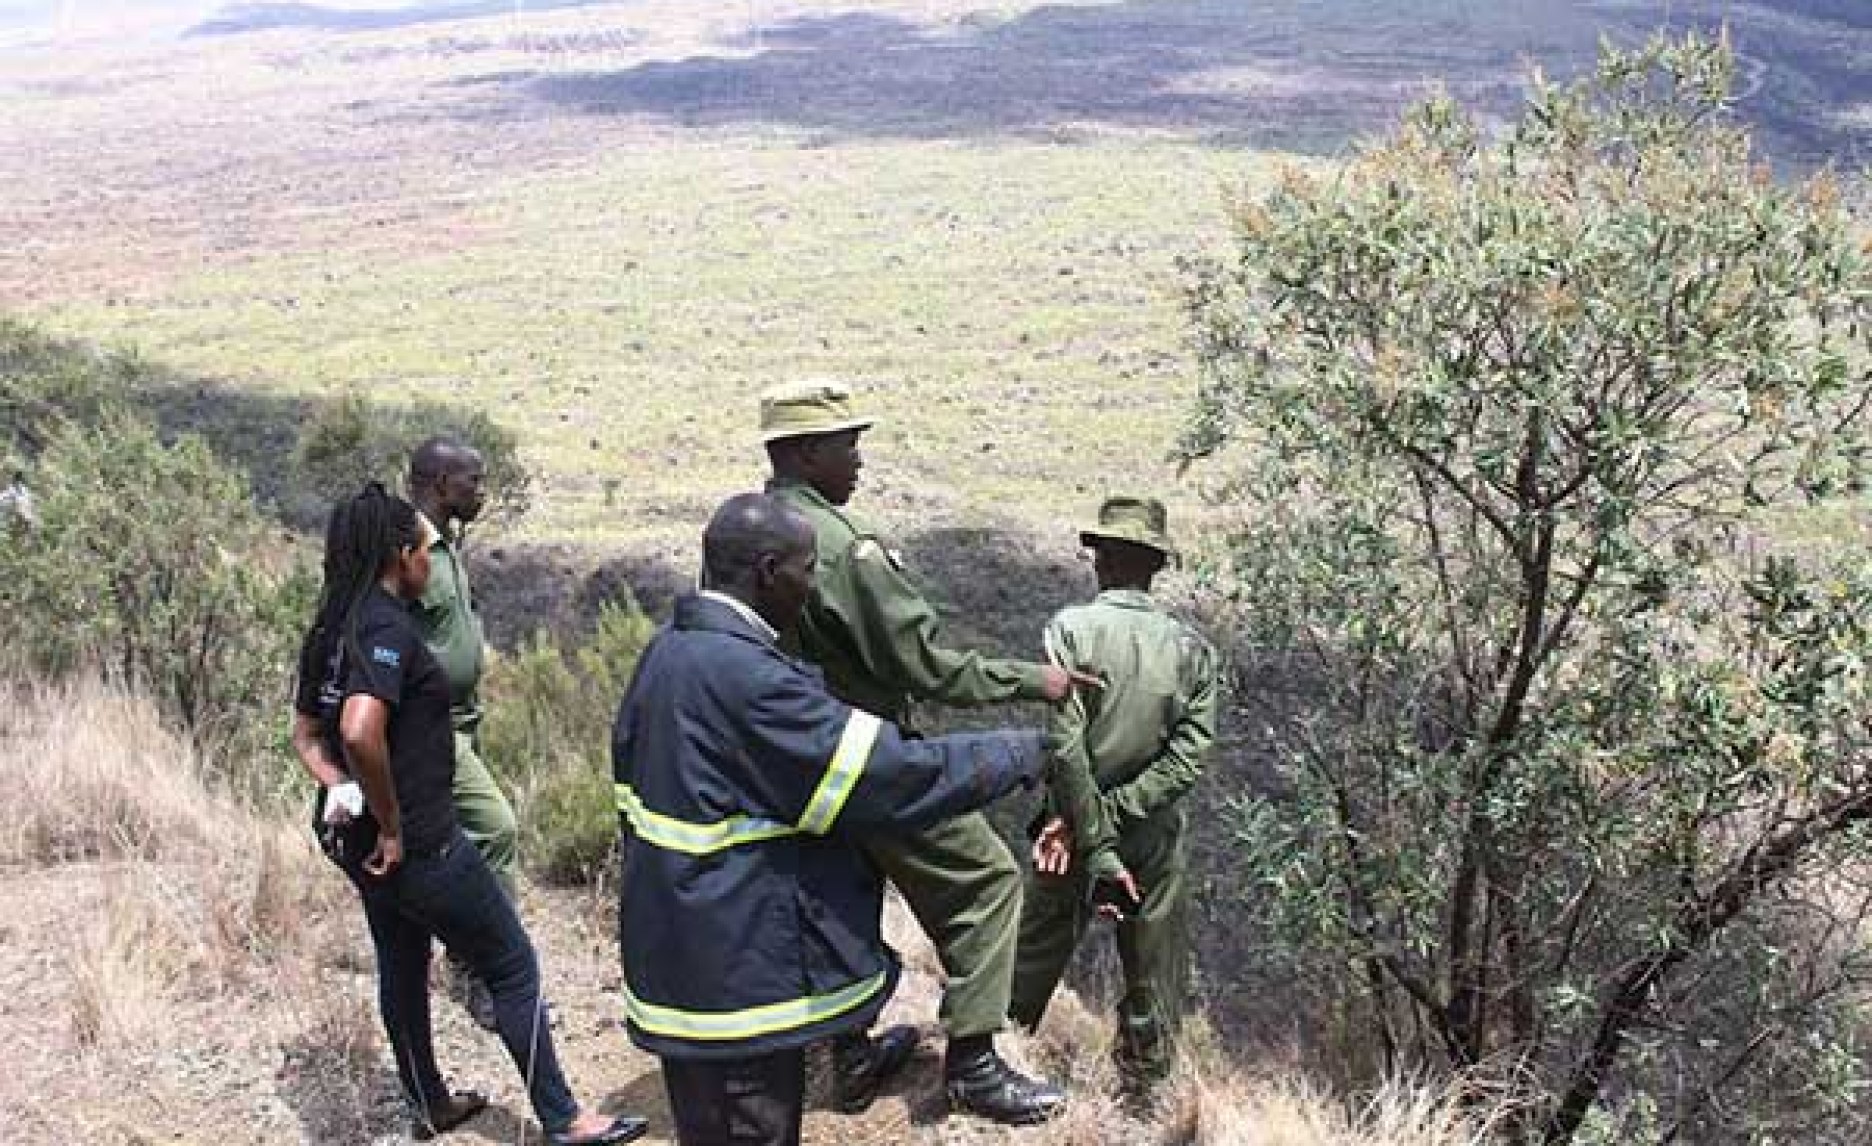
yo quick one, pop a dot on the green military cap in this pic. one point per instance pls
(800, 409)
(1139, 520)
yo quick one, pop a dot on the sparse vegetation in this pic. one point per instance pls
(179, 902)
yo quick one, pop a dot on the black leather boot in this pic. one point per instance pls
(980, 1083)
(861, 1063)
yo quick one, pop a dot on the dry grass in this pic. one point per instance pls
(1212, 1100)
(192, 875)
(180, 898)
(1222, 1107)
(94, 777)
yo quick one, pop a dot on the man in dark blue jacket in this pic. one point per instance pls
(749, 923)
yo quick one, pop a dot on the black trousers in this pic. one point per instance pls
(738, 1102)
(453, 896)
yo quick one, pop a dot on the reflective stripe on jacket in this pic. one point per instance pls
(747, 921)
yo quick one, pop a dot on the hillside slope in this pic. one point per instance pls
(176, 969)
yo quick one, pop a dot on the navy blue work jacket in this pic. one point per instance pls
(748, 921)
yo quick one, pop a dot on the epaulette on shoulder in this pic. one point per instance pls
(865, 547)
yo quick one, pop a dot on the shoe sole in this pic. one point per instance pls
(636, 1130)
(1036, 1118)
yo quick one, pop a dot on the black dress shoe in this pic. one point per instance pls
(983, 1085)
(861, 1065)
(623, 1128)
(446, 1115)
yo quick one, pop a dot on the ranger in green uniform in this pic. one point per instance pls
(1127, 754)
(445, 483)
(878, 641)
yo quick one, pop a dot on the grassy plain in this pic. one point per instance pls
(613, 224)
(1008, 309)
(1009, 305)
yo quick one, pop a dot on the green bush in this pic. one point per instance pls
(1576, 770)
(548, 730)
(46, 384)
(151, 563)
(351, 440)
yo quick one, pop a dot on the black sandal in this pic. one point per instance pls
(623, 1128)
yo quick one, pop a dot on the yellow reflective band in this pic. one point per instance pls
(692, 838)
(772, 1018)
(841, 775)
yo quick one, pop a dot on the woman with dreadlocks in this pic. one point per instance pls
(372, 727)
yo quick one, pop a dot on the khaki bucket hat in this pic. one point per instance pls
(801, 409)
(1139, 520)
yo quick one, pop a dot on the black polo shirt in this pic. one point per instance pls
(395, 666)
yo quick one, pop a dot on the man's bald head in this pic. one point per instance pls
(746, 527)
(760, 551)
(437, 457)
(445, 477)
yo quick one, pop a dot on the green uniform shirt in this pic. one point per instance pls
(452, 630)
(1127, 751)
(874, 634)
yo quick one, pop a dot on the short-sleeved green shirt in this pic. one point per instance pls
(1130, 750)
(875, 635)
(452, 630)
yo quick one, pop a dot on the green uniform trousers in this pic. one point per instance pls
(1151, 944)
(487, 819)
(963, 885)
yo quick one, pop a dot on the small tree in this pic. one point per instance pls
(351, 440)
(549, 714)
(1577, 775)
(150, 562)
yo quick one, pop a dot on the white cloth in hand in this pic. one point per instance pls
(343, 802)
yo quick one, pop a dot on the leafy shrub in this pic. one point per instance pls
(46, 384)
(151, 562)
(548, 728)
(351, 440)
(1574, 768)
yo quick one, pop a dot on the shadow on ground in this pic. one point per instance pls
(521, 589)
(1289, 74)
(643, 1096)
(337, 1088)
(996, 588)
